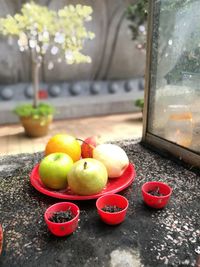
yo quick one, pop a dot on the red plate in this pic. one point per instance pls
(113, 186)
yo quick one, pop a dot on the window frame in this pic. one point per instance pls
(154, 142)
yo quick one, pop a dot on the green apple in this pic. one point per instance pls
(87, 177)
(53, 170)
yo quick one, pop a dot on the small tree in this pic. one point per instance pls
(40, 30)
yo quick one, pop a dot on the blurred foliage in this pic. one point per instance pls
(175, 4)
(40, 29)
(188, 63)
(139, 103)
(137, 15)
(189, 59)
(27, 110)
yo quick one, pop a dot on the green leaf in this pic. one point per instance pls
(27, 110)
(140, 103)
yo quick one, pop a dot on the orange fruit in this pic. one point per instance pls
(64, 143)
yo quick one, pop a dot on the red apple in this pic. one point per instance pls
(88, 145)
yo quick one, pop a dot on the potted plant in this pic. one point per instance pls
(39, 31)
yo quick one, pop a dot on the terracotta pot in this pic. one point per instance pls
(36, 127)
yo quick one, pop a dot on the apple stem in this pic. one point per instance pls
(85, 165)
(85, 143)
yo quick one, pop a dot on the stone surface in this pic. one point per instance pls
(151, 238)
(128, 258)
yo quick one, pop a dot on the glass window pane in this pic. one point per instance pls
(174, 110)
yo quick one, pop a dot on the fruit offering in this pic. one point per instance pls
(88, 145)
(87, 177)
(53, 170)
(62, 167)
(113, 157)
(64, 143)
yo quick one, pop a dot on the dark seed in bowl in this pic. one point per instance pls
(62, 216)
(155, 192)
(112, 209)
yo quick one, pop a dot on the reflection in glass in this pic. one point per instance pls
(179, 125)
(175, 73)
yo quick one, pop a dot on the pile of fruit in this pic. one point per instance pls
(84, 168)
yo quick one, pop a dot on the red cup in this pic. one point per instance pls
(157, 202)
(66, 228)
(112, 218)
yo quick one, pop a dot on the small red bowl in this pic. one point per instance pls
(112, 218)
(157, 202)
(66, 228)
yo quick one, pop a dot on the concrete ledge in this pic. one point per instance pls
(84, 103)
